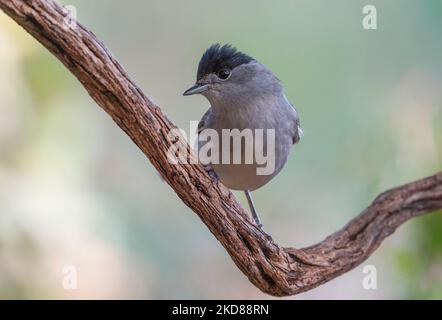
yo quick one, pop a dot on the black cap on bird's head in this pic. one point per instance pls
(218, 57)
(218, 60)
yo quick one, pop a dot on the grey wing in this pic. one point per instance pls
(201, 127)
(298, 132)
(202, 123)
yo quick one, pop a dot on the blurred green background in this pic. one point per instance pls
(74, 190)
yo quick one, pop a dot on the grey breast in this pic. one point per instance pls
(271, 112)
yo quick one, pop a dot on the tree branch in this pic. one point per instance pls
(273, 269)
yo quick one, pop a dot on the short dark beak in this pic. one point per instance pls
(197, 88)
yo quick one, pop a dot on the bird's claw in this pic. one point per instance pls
(212, 173)
(257, 222)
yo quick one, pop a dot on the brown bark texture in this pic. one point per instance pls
(275, 270)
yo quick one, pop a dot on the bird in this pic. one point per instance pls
(244, 94)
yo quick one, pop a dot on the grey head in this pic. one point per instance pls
(228, 77)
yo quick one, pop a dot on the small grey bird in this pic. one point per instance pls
(243, 94)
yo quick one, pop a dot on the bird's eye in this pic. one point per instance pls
(224, 73)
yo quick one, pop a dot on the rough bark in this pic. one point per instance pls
(273, 269)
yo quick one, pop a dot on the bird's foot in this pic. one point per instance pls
(257, 221)
(212, 173)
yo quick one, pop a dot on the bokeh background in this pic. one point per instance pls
(74, 190)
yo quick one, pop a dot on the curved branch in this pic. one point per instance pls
(273, 269)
